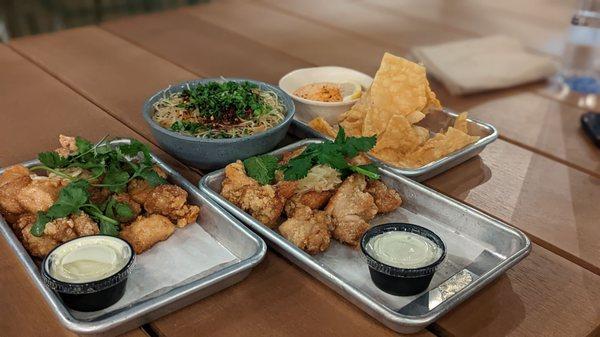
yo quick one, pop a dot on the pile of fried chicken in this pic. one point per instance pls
(158, 210)
(313, 215)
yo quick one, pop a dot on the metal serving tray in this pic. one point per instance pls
(479, 249)
(434, 121)
(228, 231)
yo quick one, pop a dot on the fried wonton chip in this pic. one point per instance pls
(321, 125)
(399, 98)
(399, 136)
(439, 146)
(352, 120)
(399, 87)
(461, 122)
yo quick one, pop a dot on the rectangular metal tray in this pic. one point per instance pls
(234, 236)
(493, 246)
(434, 121)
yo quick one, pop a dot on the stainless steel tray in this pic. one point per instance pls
(235, 237)
(480, 248)
(434, 121)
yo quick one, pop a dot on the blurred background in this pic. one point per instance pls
(29, 17)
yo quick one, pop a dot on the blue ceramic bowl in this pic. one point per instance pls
(208, 153)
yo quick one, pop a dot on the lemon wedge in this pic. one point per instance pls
(350, 91)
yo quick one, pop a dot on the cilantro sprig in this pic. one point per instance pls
(110, 163)
(215, 100)
(72, 199)
(334, 154)
(110, 166)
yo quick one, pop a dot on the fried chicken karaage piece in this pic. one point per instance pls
(139, 189)
(55, 232)
(128, 200)
(84, 225)
(170, 201)
(40, 194)
(264, 203)
(308, 229)
(351, 208)
(37, 246)
(313, 199)
(12, 181)
(68, 145)
(387, 199)
(146, 231)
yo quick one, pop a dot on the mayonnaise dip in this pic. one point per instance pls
(403, 249)
(88, 259)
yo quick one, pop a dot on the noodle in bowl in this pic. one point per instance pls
(217, 143)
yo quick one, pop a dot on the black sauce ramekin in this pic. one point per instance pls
(400, 281)
(94, 295)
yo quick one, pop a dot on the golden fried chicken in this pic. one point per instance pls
(84, 225)
(387, 199)
(236, 182)
(128, 200)
(37, 246)
(40, 194)
(264, 203)
(68, 146)
(99, 195)
(285, 158)
(22, 222)
(60, 230)
(146, 231)
(313, 199)
(308, 229)
(351, 208)
(139, 189)
(170, 201)
(12, 181)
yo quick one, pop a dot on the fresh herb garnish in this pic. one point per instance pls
(262, 168)
(103, 160)
(72, 199)
(333, 154)
(225, 101)
(110, 166)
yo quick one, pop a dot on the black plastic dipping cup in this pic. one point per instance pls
(94, 295)
(400, 281)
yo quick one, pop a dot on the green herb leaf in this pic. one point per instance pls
(369, 170)
(115, 180)
(151, 177)
(83, 145)
(334, 154)
(109, 229)
(70, 199)
(262, 168)
(37, 229)
(52, 159)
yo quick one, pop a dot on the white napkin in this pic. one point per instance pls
(481, 64)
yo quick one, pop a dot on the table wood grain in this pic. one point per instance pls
(543, 179)
(551, 224)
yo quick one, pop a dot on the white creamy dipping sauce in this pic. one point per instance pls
(403, 249)
(88, 259)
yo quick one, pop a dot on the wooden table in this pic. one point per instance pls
(542, 175)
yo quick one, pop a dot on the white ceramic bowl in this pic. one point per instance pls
(306, 109)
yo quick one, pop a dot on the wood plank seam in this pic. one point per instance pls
(549, 156)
